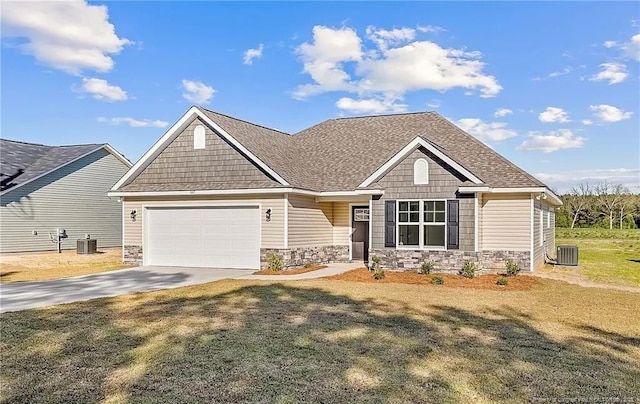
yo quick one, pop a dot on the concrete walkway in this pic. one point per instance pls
(29, 295)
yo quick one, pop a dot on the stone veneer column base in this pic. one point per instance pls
(133, 254)
(295, 257)
(449, 260)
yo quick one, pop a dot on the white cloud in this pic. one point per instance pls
(67, 35)
(553, 114)
(562, 72)
(430, 28)
(383, 38)
(609, 113)
(398, 64)
(552, 141)
(502, 112)
(323, 59)
(587, 122)
(434, 103)
(613, 72)
(609, 44)
(251, 54)
(134, 123)
(197, 92)
(631, 49)
(369, 106)
(487, 131)
(565, 180)
(102, 90)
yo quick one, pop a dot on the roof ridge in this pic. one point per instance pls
(243, 120)
(381, 115)
(52, 146)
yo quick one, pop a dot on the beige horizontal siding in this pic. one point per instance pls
(548, 233)
(310, 222)
(272, 232)
(341, 225)
(506, 222)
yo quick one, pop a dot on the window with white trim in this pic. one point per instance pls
(361, 214)
(548, 219)
(421, 172)
(541, 230)
(199, 137)
(422, 224)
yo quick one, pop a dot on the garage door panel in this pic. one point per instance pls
(203, 237)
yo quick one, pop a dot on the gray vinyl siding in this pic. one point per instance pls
(218, 166)
(73, 197)
(443, 184)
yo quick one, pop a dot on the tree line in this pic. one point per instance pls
(599, 205)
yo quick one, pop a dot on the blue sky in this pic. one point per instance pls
(552, 86)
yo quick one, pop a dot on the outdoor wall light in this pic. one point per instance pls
(268, 215)
(133, 215)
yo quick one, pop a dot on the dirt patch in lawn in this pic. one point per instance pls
(42, 266)
(290, 271)
(488, 281)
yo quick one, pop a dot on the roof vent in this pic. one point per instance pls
(198, 137)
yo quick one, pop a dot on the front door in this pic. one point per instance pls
(360, 233)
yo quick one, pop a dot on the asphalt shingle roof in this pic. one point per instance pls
(21, 162)
(339, 154)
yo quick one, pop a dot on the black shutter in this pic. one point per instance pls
(389, 223)
(453, 226)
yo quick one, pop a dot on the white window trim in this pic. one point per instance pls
(421, 223)
(417, 180)
(541, 228)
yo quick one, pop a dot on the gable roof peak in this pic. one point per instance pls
(205, 110)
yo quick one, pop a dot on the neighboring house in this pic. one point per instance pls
(45, 188)
(221, 192)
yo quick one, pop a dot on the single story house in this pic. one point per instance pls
(218, 191)
(46, 188)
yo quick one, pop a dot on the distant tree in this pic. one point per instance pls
(577, 201)
(609, 198)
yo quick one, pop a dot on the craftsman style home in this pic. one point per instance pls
(217, 191)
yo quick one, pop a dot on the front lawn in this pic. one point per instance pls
(610, 256)
(328, 341)
(28, 267)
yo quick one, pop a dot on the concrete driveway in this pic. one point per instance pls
(28, 295)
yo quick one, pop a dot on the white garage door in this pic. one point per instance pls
(222, 237)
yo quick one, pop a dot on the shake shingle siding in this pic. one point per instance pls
(73, 198)
(218, 166)
(443, 184)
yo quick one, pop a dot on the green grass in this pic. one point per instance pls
(327, 341)
(595, 233)
(609, 256)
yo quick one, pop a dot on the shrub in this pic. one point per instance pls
(437, 280)
(308, 265)
(426, 268)
(502, 282)
(275, 263)
(375, 263)
(512, 268)
(468, 269)
(378, 273)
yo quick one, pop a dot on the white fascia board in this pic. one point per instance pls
(288, 190)
(175, 130)
(117, 155)
(414, 144)
(106, 147)
(554, 200)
